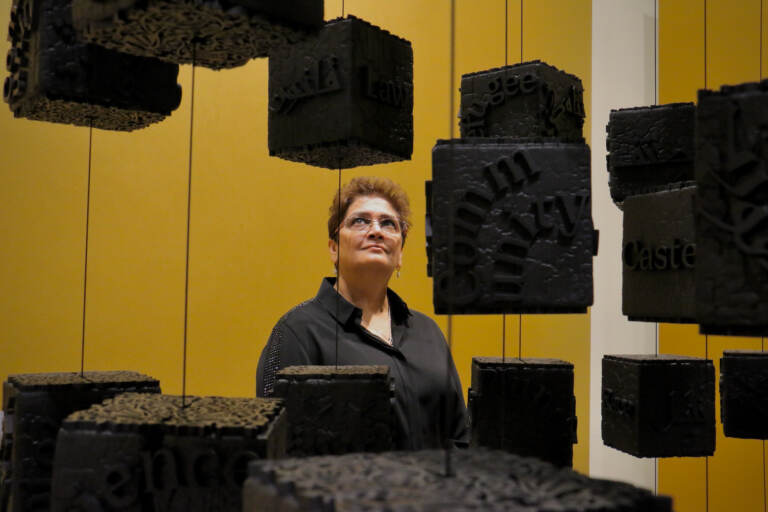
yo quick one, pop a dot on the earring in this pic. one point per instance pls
(398, 272)
(335, 271)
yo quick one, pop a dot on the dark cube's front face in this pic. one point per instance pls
(650, 148)
(343, 98)
(511, 227)
(525, 407)
(659, 256)
(743, 400)
(531, 99)
(732, 210)
(659, 406)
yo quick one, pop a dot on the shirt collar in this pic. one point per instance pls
(332, 301)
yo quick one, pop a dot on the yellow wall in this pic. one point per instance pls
(257, 242)
(733, 478)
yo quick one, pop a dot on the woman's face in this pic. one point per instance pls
(370, 237)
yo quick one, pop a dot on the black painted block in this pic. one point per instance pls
(531, 99)
(732, 210)
(34, 407)
(650, 149)
(148, 452)
(342, 99)
(659, 257)
(335, 410)
(213, 34)
(524, 406)
(511, 227)
(53, 77)
(415, 481)
(743, 398)
(659, 405)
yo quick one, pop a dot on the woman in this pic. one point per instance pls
(367, 228)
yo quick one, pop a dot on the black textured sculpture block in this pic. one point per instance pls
(34, 406)
(650, 149)
(209, 33)
(732, 210)
(743, 398)
(343, 98)
(335, 410)
(524, 406)
(415, 481)
(511, 227)
(54, 77)
(659, 405)
(659, 257)
(532, 99)
(148, 452)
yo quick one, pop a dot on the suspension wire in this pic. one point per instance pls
(520, 336)
(87, 229)
(521, 30)
(656, 52)
(189, 217)
(506, 62)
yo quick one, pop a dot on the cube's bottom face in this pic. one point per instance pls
(339, 155)
(83, 114)
(733, 330)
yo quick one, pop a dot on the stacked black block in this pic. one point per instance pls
(54, 77)
(151, 452)
(659, 405)
(342, 99)
(732, 210)
(335, 410)
(524, 406)
(209, 33)
(34, 407)
(415, 481)
(743, 398)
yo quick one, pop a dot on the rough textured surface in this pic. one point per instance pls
(511, 227)
(743, 401)
(524, 406)
(650, 149)
(215, 34)
(532, 99)
(34, 406)
(343, 98)
(53, 77)
(335, 411)
(659, 256)
(659, 405)
(145, 452)
(414, 481)
(732, 210)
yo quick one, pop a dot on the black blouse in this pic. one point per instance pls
(426, 383)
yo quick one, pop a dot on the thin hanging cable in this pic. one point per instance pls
(506, 62)
(761, 39)
(655, 52)
(520, 336)
(189, 216)
(342, 8)
(338, 267)
(503, 337)
(705, 44)
(521, 30)
(87, 229)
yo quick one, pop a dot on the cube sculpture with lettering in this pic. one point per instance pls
(335, 410)
(650, 149)
(150, 452)
(531, 99)
(482, 480)
(732, 210)
(524, 406)
(659, 405)
(54, 77)
(512, 227)
(34, 406)
(659, 257)
(743, 400)
(209, 33)
(343, 98)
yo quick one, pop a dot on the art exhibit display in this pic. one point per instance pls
(524, 406)
(743, 401)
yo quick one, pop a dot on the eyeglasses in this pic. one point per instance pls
(362, 224)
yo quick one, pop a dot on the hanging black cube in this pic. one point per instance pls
(524, 406)
(743, 399)
(659, 257)
(512, 227)
(659, 405)
(54, 77)
(34, 406)
(335, 410)
(732, 210)
(343, 98)
(532, 99)
(650, 149)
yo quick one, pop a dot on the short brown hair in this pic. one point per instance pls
(362, 186)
